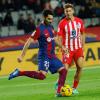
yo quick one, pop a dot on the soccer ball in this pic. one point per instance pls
(66, 90)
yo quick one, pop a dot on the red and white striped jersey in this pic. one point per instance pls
(71, 32)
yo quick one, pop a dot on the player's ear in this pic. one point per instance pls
(65, 11)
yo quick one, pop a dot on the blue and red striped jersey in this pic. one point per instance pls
(45, 35)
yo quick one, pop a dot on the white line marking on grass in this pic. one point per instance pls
(23, 85)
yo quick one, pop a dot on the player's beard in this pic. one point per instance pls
(47, 22)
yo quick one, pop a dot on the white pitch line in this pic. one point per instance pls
(22, 85)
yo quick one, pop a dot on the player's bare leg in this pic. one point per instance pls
(67, 66)
(79, 65)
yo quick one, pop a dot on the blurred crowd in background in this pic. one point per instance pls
(26, 14)
(89, 8)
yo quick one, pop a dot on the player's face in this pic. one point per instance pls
(49, 19)
(69, 12)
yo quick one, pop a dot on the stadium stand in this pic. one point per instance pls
(26, 7)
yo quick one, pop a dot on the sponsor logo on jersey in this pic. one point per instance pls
(49, 39)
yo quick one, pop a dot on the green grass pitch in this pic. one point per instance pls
(24, 88)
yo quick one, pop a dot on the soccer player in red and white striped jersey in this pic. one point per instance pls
(71, 36)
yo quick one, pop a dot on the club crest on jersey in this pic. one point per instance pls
(49, 39)
(73, 34)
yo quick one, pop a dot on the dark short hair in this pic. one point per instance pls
(68, 5)
(47, 12)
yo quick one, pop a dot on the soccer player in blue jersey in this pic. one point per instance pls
(47, 59)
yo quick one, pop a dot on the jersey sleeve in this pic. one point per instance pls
(60, 29)
(36, 34)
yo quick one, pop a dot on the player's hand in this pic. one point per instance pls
(66, 50)
(19, 59)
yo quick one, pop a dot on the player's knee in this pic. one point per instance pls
(67, 66)
(63, 71)
(80, 62)
(42, 76)
(79, 68)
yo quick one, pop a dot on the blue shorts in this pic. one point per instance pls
(51, 64)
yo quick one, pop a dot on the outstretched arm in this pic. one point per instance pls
(34, 36)
(27, 44)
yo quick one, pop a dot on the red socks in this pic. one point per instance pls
(62, 78)
(75, 84)
(32, 74)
